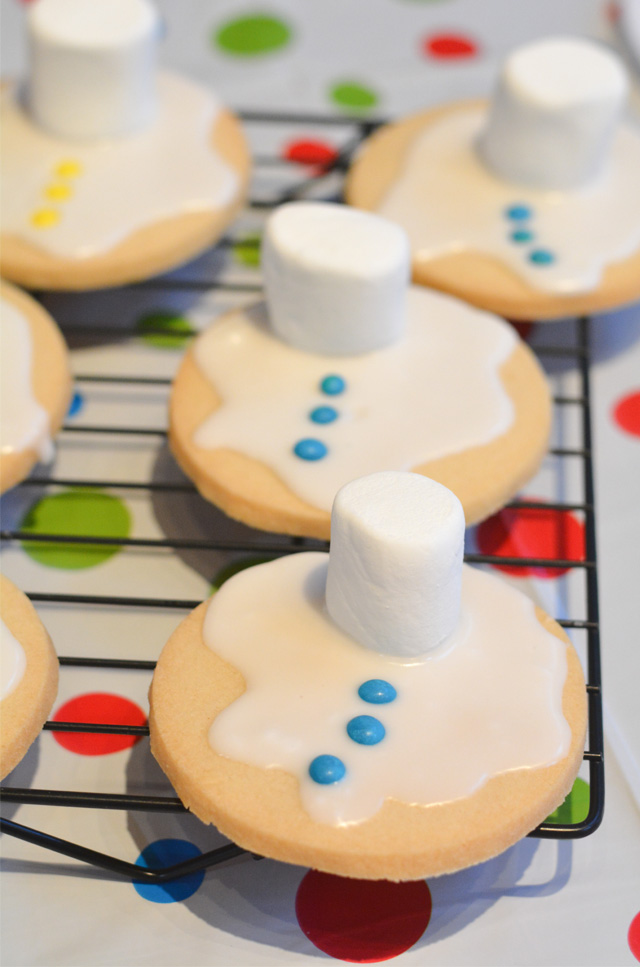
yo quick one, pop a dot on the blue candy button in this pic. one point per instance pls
(541, 256)
(518, 213)
(377, 692)
(366, 730)
(310, 449)
(521, 235)
(323, 414)
(333, 385)
(327, 769)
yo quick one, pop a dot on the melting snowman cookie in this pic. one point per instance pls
(381, 711)
(346, 370)
(111, 171)
(528, 206)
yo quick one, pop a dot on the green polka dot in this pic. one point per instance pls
(171, 323)
(251, 36)
(353, 96)
(234, 568)
(76, 513)
(247, 250)
(575, 808)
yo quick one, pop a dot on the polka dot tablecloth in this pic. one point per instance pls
(544, 902)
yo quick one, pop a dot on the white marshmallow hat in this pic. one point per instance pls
(112, 171)
(346, 370)
(528, 205)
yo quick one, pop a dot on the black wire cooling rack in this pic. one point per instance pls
(323, 182)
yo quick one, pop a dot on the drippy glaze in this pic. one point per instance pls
(13, 661)
(24, 423)
(448, 202)
(77, 200)
(488, 701)
(435, 392)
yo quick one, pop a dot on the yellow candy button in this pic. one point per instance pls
(45, 218)
(58, 192)
(68, 168)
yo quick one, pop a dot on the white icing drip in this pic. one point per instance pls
(435, 392)
(448, 202)
(169, 169)
(13, 661)
(488, 701)
(24, 423)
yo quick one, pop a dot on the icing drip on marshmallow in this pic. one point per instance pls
(24, 423)
(550, 143)
(413, 375)
(486, 700)
(169, 168)
(13, 661)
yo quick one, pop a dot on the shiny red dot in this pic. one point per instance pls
(449, 46)
(612, 12)
(626, 413)
(634, 937)
(532, 532)
(362, 921)
(310, 152)
(94, 708)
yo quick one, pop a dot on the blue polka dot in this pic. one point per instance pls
(168, 852)
(518, 213)
(366, 730)
(327, 769)
(377, 692)
(323, 414)
(541, 256)
(333, 385)
(310, 449)
(521, 235)
(76, 404)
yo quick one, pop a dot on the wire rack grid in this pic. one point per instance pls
(323, 181)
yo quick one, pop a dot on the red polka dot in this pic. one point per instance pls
(449, 46)
(362, 921)
(634, 936)
(532, 532)
(94, 708)
(612, 12)
(309, 152)
(626, 413)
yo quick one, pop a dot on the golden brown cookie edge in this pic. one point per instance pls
(24, 711)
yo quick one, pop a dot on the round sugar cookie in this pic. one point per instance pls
(254, 487)
(261, 808)
(29, 675)
(89, 216)
(460, 266)
(36, 384)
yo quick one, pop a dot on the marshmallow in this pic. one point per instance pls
(395, 565)
(335, 278)
(554, 114)
(92, 66)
